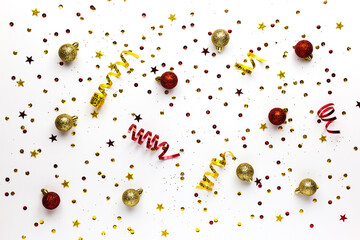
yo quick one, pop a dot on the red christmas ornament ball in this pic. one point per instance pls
(51, 200)
(303, 48)
(168, 80)
(277, 116)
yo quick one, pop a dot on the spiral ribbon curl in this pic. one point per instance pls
(98, 98)
(324, 112)
(151, 143)
(206, 183)
(247, 69)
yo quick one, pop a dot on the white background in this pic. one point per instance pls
(161, 179)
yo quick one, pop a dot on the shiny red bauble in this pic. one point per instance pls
(168, 80)
(304, 49)
(277, 116)
(50, 200)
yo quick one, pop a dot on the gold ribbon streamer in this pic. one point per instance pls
(247, 69)
(206, 183)
(98, 98)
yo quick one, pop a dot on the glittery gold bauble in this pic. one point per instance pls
(131, 197)
(245, 172)
(220, 38)
(68, 52)
(65, 122)
(307, 187)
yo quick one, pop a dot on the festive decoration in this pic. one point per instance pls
(98, 99)
(277, 116)
(220, 38)
(151, 143)
(247, 69)
(131, 197)
(206, 183)
(168, 80)
(68, 52)
(304, 49)
(50, 200)
(307, 187)
(245, 172)
(65, 122)
(324, 112)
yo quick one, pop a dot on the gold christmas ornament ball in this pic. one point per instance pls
(131, 197)
(65, 122)
(68, 52)
(307, 187)
(245, 172)
(220, 38)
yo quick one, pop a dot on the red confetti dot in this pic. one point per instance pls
(56, 34)
(278, 188)
(141, 47)
(185, 47)
(44, 15)
(210, 97)
(278, 162)
(163, 64)
(329, 202)
(196, 194)
(228, 66)
(328, 80)
(244, 146)
(13, 78)
(78, 14)
(24, 131)
(143, 15)
(6, 194)
(183, 27)
(333, 74)
(282, 139)
(266, 142)
(192, 24)
(171, 104)
(136, 84)
(229, 31)
(56, 79)
(55, 165)
(329, 92)
(218, 76)
(311, 225)
(214, 126)
(206, 71)
(267, 177)
(259, 203)
(243, 138)
(207, 111)
(258, 48)
(326, 70)
(287, 213)
(39, 76)
(11, 24)
(211, 222)
(92, 7)
(272, 25)
(36, 224)
(80, 79)
(67, 30)
(318, 26)
(330, 51)
(261, 216)
(217, 132)
(209, 33)
(83, 178)
(188, 114)
(24, 208)
(61, 63)
(213, 54)
(149, 91)
(195, 40)
(44, 40)
(322, 44)
(318, 121)
(180, 63)
(240, 115)
(7, 179)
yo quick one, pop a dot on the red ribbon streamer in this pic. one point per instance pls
(140, 137)
(326, 111)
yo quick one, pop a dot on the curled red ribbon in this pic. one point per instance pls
(324, 112)
(140, 137)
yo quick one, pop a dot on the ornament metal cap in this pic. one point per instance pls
(44, 191)
(309, 57)
(140, 191)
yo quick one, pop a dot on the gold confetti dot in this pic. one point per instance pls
(301, 211)
(197, 230)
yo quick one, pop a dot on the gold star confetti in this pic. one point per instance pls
(261, 26)
(164, 233)
(263, 126)
(322, 138)
(160, 206)
(94, 114)
(35, 12)
(20, 83)
(339, 25)
(34, 153)
(172, 17)
(112, 66)
(76, 223)
(279, 218)
(65, 183)
(129, 176)
(99, 55)
(281, 74)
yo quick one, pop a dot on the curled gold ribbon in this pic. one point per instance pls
(206, 183)
(247, 69)
(98, 98)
